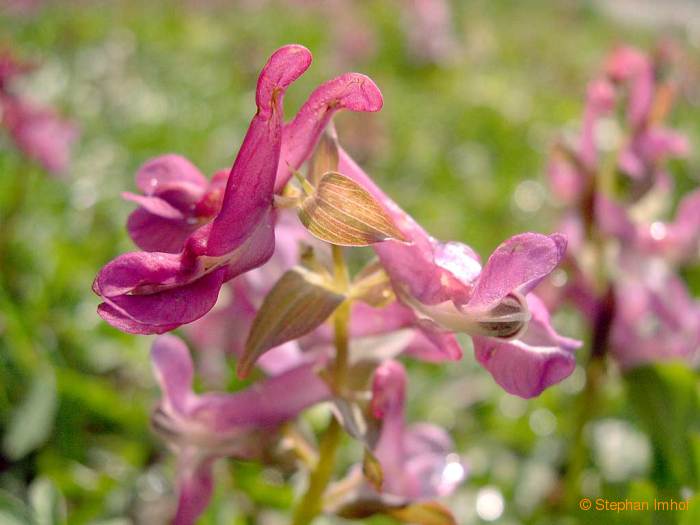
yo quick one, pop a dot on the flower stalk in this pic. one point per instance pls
(311, 503)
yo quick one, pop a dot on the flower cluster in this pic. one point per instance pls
(38, 132)
(613, 181)
(291, 315)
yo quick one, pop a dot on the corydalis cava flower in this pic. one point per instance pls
(154, 292)
(203, 428)
(445, 284)
(624, 256)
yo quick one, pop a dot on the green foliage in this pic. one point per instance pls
(665, 398)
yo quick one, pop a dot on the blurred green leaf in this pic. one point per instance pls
(665, 399)
(47, 502)
(13, 511)
(31, 422)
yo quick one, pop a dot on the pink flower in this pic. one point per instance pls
(39, 133)
(157, 292)
(202, 428)
(177, 199)
(417, 461)
(655, 317)
(446, 286)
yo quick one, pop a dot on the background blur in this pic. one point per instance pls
(461, 143)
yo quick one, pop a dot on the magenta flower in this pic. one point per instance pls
(417, 461)
(157, 292)
(177, 199)
(202, 428)
(38, 132)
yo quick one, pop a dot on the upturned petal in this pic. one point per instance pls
(169, 173)
(351, 91)
(518, 264)
(249, 190)
(631, 66)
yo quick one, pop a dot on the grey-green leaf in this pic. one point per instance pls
(47, 502)
(342, 212)
(297, 303)
(31, 422)
(13, 511)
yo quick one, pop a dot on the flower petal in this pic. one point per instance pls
(153, 233)
(249, 190)
(195, 486)
(518, 264)
(416, 266)
(351, 91)
(174, 371)
(526, 366)
(169, 172)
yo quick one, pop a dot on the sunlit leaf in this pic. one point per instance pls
(298, 303)
(31, 422)
(325, 157)
(342, 212)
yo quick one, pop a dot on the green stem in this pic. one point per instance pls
(311, 503)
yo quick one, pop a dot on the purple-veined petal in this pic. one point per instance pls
(351, 91)
(154, 291)
(248, 195)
